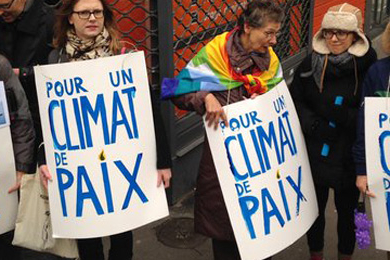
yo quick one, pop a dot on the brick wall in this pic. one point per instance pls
(321, 6)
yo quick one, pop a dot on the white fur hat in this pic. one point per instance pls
(344, 17)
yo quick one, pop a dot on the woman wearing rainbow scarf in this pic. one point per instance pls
(233, 66)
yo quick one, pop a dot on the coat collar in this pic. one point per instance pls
(29, 21)
(240, 59)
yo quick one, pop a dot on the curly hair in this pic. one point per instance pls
(258, 12)
(62, 24)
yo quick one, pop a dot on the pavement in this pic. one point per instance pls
(147, 245)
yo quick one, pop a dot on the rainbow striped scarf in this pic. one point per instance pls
(210, 70)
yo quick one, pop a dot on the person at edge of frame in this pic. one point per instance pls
(375, 84)
(23, 138)
(26, 35)
(26, 29)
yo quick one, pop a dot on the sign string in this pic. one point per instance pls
(43, 74)
(128, 51)
(387, 94)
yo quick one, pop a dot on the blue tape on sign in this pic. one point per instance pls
(332, 124)
(339, 100)
(2, 114)
(325, 150)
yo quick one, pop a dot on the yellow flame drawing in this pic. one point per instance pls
(278, 173)
(102, 155)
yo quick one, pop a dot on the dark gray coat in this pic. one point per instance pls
(211, 217)
(22, 129)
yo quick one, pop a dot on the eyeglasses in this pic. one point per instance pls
(7, 6)
(269, 35)
(85, 15)
(341, 35)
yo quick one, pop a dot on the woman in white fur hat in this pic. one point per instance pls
(326, 90)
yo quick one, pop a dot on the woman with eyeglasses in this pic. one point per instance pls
(233, 66)
(84, 30)
(326, 90)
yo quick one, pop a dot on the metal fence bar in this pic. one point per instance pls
(214, 17)
(165, 35)
(138, 23)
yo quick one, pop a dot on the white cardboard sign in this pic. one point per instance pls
(264, 172)
(377, 140)
(100, 146)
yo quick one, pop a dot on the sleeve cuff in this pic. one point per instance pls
(41, 158)
(26, 168)
(361, 169)
(200, 107)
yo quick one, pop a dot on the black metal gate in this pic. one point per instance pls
(138, 23)
(380, 11)
(180, 28)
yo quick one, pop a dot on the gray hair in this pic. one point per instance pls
(258, 12)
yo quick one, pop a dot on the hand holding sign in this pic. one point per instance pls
(164, 176)
(214, 111)
(44, 175)
(361, 184)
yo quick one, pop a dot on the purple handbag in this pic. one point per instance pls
(363, 225)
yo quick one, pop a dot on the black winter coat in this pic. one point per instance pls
(211, 216)
(26, 42)
(328, 119)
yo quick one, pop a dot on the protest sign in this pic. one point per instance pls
(4, 115)
(377, 139)
(8, 202)
(264, 172)
(100, 146)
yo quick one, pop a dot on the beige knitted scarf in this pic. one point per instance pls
(78, 49)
